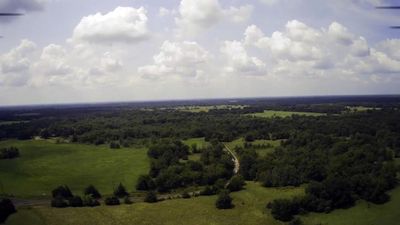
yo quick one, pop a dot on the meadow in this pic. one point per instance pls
(273, 113)
(43, 165)
(261, 151)
(198, 109)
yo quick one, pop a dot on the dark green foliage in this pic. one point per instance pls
(90, 201)
(120, 191)
(112, 201)
(115, 145)
(92, 191)
(62, 191)
(208, 190)
(296, 221)
(9, 153)
(145, 183)
(127, 200)
(6, 209)
(75, 201)
(151, 197)
(283, 209)
(236, 183)
(224, 200)
(59, 202)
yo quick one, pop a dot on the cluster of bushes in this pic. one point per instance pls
(6, 209)
(63, 197)
(170, 168)
(9, 153)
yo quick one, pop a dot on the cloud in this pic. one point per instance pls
(15, 65)
(123, 24)
(196, 16)
(179, 59)
(239, 62)
(269, 2)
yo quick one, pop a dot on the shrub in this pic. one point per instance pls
(224, 200)
(59, 202)
(76, 201)
(236, 183)
(92, 191)
(208, 190)
(89, 201)
(6, 209)
(185, 194)
(120, 191)
(62, 191)
(145, 183)
(296, 221)
(114, 145)
(9, 153)
(111, 201)
(283, 209)
(151, 197)
(127, 200)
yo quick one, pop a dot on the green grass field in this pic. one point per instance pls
(249, 210)
(200, 142)
(272, 113)
(197, 109)
(43, 165)
(262, 152)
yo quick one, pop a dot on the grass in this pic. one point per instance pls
(272, 113)
(360, 108)
(12, 122)
(44, 165)
(362, 214)
(262, 151)
(198, 109)
(249, 210)
(200, 142)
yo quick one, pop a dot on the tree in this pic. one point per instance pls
(224, 200)
(120, 191)
(92, 191)
(6, 209)
(145, 183)
(62, 191)
(185, 194)
(208, 190)
(112, 201)
(127, 200)
(151, 197)
(282, 209)
(9, 153)
(236, 183)
(114, 145)
(76, 201)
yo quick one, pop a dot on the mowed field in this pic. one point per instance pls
(272, 113)
(249, 210)
(261, 151)
(44, 165)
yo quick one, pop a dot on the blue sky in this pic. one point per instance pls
(83, 51)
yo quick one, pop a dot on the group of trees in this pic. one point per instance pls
(9, 153)
(63, 197)
(6, 209)
(170, 168)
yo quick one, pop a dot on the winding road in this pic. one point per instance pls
(234, 159)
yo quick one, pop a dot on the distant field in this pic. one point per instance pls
(272, 113)
(263, 151)
(200, 142)
(249, 210)
(44, 165)
(197, 109)
(360, 108)
(12, 122)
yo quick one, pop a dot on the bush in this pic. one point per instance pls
(224, 200)
(151, 197)
(114, 145)
(92, 191)
(6, 209)
(62, 191)
(9, 153)
(89, 201)
(127, 200)
(283, 209)
(120, 191)
(76, 201)
(59, 202)
(112, 201)
(296, 221)
(145, 183)
(236, 183)
(208, 190)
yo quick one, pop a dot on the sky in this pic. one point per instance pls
(72, 51)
